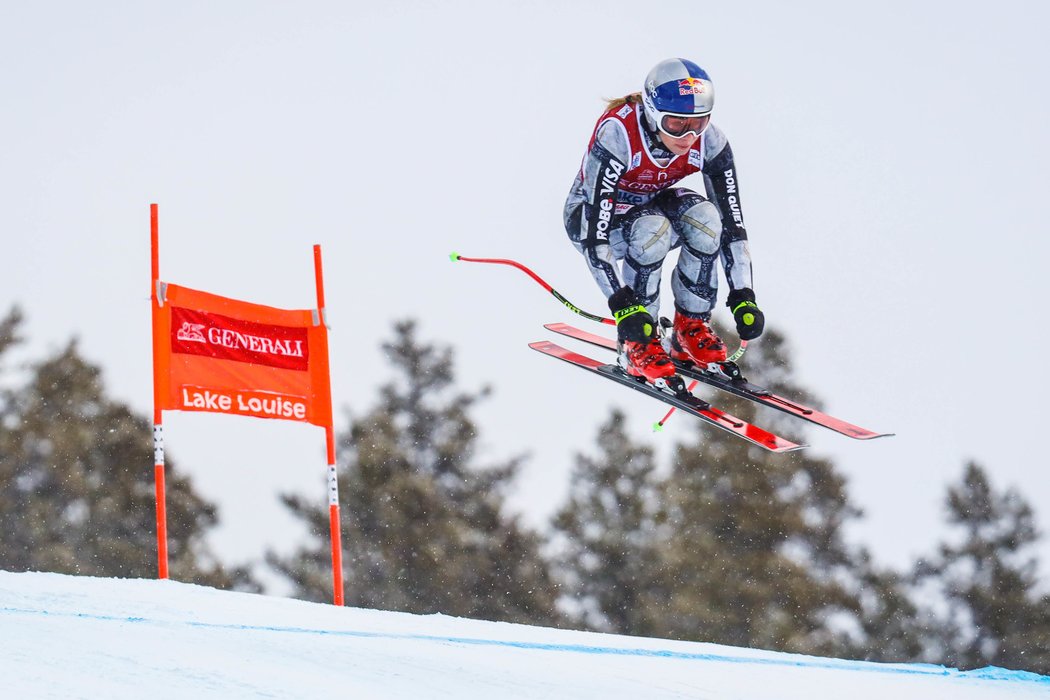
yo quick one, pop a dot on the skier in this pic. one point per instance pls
(622, 207)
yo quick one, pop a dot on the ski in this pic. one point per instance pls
(683, 401)
(737, 386)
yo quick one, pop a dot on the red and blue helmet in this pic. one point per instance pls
(678, 97)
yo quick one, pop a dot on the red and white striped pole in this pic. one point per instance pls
(158, 414)
(333, 483)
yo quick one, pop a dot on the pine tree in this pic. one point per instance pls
(78, 492)
(893, 628)
(608, 532)
(9, 327)
(424, 529)
(756, 555)
(996, 616)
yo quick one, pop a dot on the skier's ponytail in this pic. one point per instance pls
(634, 98)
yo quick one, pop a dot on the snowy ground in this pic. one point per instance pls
(78, 637)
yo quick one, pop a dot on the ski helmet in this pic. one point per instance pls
(678, 97)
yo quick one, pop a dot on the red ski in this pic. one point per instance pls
(737, 386)
(683, 401)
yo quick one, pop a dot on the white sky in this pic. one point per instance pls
(892, 159)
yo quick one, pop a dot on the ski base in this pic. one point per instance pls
(738, 387)
(682, 401)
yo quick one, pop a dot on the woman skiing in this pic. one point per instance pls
(623, 207)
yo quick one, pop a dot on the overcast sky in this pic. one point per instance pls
(893, 168)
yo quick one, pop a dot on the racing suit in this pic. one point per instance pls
(623, 207)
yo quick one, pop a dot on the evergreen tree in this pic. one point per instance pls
(78, 492)
(893, 628)
(9, 327)
(735, 546)
(996, 617)
(609, 530)
(424, 530)
(755, 555)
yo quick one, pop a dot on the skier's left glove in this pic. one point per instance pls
(633, 322)
(750, 321)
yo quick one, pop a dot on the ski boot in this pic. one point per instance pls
(693, 340)
(649, 362)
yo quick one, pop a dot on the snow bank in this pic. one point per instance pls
(79, 637)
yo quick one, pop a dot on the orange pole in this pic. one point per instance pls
(335, 530)
(158, 414)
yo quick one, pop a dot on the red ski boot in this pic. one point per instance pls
(693, 341)
(648, 360)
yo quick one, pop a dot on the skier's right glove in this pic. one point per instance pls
(633, 322)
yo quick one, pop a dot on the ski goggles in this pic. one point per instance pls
(678, 125)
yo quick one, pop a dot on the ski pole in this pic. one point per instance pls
(557, 295)
(739, 352)
(659, 425)
(454, 257)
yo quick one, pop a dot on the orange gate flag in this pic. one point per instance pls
(221, 355)
(227, 356)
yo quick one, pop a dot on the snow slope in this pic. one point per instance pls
(78, 637)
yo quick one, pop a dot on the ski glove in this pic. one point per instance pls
(750, 321)
(633, 322)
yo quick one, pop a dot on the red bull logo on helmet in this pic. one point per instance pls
(690, 86)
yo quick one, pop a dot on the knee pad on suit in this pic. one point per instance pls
(700, 227)
(649, 239)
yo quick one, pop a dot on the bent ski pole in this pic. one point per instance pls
(659, 425)
(557, 295)
(739, 352)
(454, 257)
